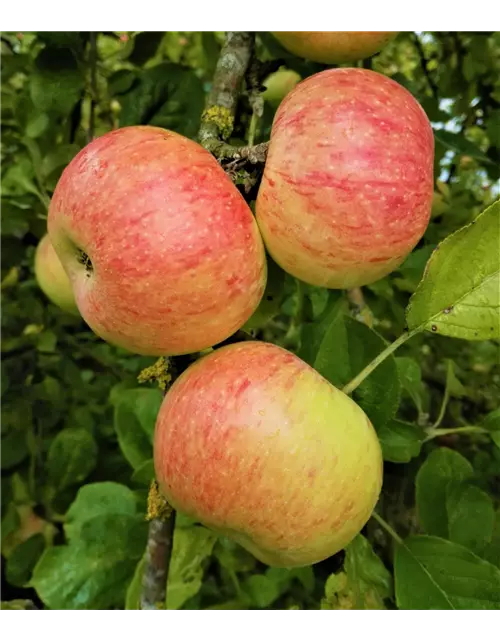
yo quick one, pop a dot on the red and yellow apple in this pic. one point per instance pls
(348, 182)
(163, 253)
(255, 444)
(334, 47)
(51, 277)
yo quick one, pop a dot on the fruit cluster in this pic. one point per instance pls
(165, 257)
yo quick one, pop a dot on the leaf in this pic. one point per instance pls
(261, 590)
(99, 498)
(410, 376)
(72, 456)
(166, 95)
(17, 605)
(144, 473)
(363, 584)
(492, 552)
(14, 449)
(15, 220)
(471, 517)
(58, 158)
(134, 420)
(134, 589)
(493, 127)
(442, 470)
(145, 46)
(400, 441)
(192, 545)
(23, 559)
(492, 424)
(339, 347)
(272, 298)
(459, 295)
(432, 573)
(93, 570)
(57, 82)
(459, 144)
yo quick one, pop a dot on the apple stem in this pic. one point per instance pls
(387, 527)
(357, 380)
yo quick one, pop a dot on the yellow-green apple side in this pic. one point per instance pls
(255, 444)
(51, 277)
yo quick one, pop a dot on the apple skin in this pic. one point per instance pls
(334, 47)
(348, 182)
(255, 444)
(178, 263)
(51, 277)
(279, 84)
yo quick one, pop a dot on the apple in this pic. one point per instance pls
(256, 445)
(334, 47)
(51, 277)
(348, 183)
(279, 84)
(163, 252)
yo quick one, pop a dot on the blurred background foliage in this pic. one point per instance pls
(77, 426)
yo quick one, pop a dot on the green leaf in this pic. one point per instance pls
(58, 158)
(492, 552)
(272, 298)
(192, 546)
(93, 570)
(364, 582)
(166, 95)
(22, 560)
(492, 424)
(37, 125)
(339, 347)
(17, 605)
(72, 456)
(135, 419)
(471, 517)
(57, 82)
(15, 219)
(459, 295)
(134, 589)
(400, 441)
(459, 144)
(261, 589)
(145, 46)
(443, 470)
(432, 573)
(99, 498)
(410, 376)
(144, 473)
(14, 449)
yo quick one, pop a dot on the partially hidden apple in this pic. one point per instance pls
(348, 182)
(164, 254)
(51, 277)
(279, 84)
(334, 47)
(255, 444)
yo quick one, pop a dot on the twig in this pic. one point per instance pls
(423, 64)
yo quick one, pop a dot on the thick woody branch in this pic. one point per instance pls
(158, 551)
(218, 118)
